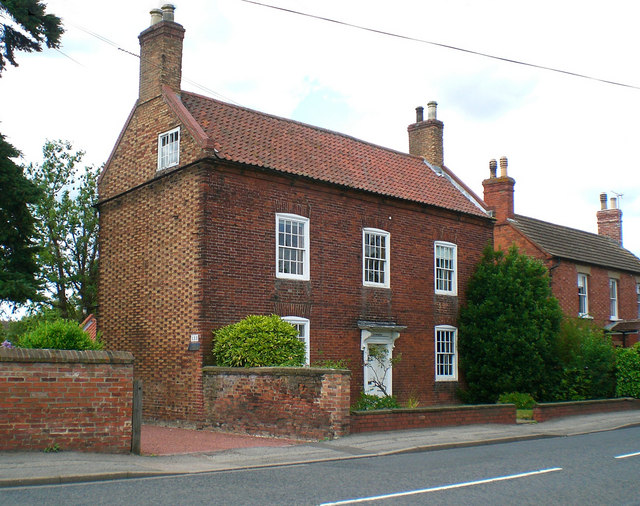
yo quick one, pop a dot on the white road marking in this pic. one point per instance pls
(627, 455)
(444, 487)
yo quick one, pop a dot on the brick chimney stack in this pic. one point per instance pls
(425, 136)
(498, 191)
(160, 54)
(610, 220)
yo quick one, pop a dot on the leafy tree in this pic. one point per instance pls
(18, 267)
(508, 329)
(258, 341)
(67, 226)
(27, 28)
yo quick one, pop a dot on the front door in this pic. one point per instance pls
(378, 369)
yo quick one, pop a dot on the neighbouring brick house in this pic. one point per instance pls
(210, 212)
(592, 275)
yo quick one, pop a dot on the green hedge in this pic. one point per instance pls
(588, 362)
(628, 371)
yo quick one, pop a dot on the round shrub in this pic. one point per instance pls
(59, 335)
(258, 341)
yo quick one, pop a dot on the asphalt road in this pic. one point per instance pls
(600, 468)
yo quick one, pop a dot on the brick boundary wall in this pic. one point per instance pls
(546, 411)
(79, 400)
(417, 418)
(303, 402)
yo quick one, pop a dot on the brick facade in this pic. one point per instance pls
(303, 402)
(180, 269)
(79, 400)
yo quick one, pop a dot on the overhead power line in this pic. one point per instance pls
(445, 46)
(115, 45)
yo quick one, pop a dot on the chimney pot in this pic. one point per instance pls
(493, 167)
(613, 203)
(156, 16)
(167, 12)
(503, 166)
(432, 110)
(419, 114)
(603, 201)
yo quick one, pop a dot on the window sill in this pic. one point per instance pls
(585, 316)
(374, 285)
(292, 278)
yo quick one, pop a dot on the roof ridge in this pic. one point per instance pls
(595, 234)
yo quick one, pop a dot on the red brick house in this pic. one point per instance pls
(210, 212)
(592, 275)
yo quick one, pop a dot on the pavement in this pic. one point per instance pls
(171, 451)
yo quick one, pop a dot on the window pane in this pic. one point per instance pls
(375, 257)
(445, 353)
(291, 242)
(445, 268)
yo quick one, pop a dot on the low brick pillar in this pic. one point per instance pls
(418, 418)
(302, 402)
(77, 400)
(548, 410)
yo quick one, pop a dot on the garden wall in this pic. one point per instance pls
(302, 402)
(77, 400)
(546, 411)
(417, 418)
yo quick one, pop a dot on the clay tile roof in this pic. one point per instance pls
(254, 138)
(577, 245)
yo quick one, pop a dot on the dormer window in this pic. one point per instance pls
(169, 149)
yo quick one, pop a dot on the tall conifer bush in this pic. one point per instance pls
(508, 329)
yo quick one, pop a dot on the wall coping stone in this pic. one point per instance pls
(270, 371)
(434, 409)
(28, 355)
(588, 402)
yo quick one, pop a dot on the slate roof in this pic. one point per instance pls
(258, 139)
(577, 245)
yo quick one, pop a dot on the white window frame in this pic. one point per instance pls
(169, 153)
(638, 296)
(613, 298)
(302, 325)
(368, 260)
(304, 251)
(442, 352)
(583, 294)
(453, 270)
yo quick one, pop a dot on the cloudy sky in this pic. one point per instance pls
(567, 138)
